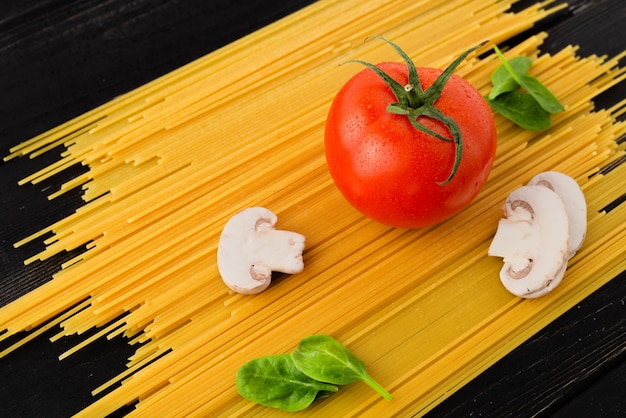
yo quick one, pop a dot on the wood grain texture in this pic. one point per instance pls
(54, 52)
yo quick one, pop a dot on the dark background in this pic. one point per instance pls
(60, 58)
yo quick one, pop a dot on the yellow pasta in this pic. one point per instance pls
(171, 161)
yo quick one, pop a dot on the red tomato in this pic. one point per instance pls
(392, 172)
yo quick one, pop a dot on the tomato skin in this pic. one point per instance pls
(388, 170)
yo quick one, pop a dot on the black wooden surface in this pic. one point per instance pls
(60, 58)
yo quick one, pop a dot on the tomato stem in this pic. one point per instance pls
(414, 102)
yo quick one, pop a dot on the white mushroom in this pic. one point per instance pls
(575, 205)
(250, 248)
(533, 241)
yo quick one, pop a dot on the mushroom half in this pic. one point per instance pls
(250, 248)
(574, 201)
(533, 241)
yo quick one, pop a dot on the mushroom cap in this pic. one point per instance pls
(250, 248)
(574, 201)
(550, 286)
(532, 240)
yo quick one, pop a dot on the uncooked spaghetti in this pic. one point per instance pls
(170, 162)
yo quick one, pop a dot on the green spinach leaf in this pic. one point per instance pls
(541, 94)
(503, 81)
(323, 358)
(522, 109)
(276, 382)
(521, 97)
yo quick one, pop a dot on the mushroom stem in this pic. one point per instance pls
(276, 250)
(514, 239)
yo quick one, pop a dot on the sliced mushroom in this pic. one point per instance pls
(550, 286)
(574, 201)
(250, 248)
(533, 241)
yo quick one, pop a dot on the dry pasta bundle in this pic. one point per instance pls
(170, 162)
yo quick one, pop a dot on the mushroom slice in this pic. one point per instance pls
(550, 287)
(575, 205)
(533, 241)
(250, 248)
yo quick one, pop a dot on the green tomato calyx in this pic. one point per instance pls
(413, 101)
